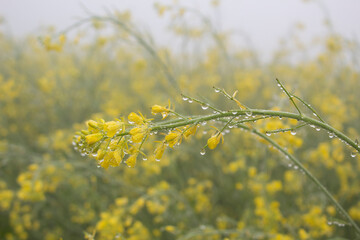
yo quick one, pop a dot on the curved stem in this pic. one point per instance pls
(260, 113)
(256, 112)
(307, 173)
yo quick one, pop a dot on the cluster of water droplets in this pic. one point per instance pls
(336, 223)
(79, 146)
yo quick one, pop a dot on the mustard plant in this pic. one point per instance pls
(119, 142)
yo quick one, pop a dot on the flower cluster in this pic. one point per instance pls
(114, 142)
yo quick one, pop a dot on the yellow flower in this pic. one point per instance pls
(51, 46)
(138, 133)
(118, 155)
(92, 125)
(173, 138)
(215, 140)
(159, 151)
(274, 187)
(190, 131)
(303, 234)
(161, 8)
(112, 127)
(93, 138)
(160, 109)
(170, 228)
(239, 186)
(131, 161)
(121, 201)
(135, 118)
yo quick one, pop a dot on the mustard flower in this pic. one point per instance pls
(159, 151)
(160, 109)
(136, 118)
(93, 138)
(131, 161)
(214, 140)
(118, 156)
(51, 46)
(190, 131)
(138, 133)
(112, 127)
(170, 229)
(92, 125)
(174, 137)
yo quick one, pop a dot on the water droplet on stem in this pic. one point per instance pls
(248, 113)
(204, 107)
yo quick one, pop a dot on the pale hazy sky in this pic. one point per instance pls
(264, 21)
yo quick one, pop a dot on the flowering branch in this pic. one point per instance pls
(117, 142)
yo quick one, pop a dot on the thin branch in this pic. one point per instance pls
(307, 173)
(310, 107)
(289, 95)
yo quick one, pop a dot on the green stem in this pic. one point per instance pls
(307, 173)
(287, 129)
(255, 112)
(202, 103)
(289, 95)
(310, 107)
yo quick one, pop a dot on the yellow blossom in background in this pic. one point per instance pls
(303, 234)
(273, 187)
(51, 46)
(170, 228)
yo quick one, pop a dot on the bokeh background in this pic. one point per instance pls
(63, 63)
(264, 23)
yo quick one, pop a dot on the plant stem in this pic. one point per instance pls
(255, 112)
(307, 173)
(289, 95)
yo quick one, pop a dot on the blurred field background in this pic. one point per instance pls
(51, 82)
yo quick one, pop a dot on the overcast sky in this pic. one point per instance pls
(264, 21)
